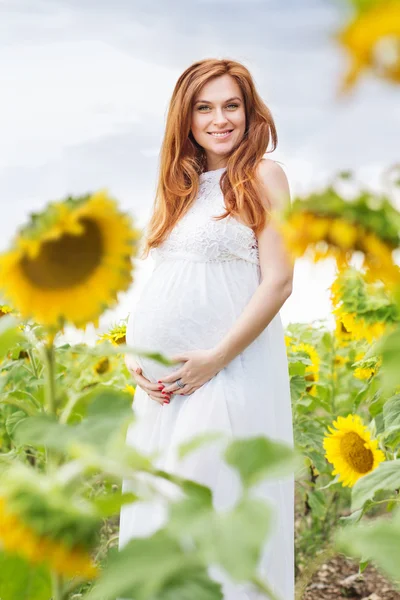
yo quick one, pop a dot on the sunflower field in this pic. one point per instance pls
(65, 409)
(64, 414)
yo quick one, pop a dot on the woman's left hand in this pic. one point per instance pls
(200, 366)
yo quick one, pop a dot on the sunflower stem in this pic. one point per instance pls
(50, 393)
(57, 587)
(333, 375)
(33, 363)
(50, 378)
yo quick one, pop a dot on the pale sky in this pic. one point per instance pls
(85, 87)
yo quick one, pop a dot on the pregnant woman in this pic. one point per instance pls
(211, 304)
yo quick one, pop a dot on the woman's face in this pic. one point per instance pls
(218, 108)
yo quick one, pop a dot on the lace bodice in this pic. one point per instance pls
(197, 236)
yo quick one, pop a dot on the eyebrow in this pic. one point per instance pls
(208, 102)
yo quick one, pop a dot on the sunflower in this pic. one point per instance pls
(325, 225)
(343, 234)
(350, 449)
(312, 371)
(44, 522)
(364, 372)
(4, 310)
(378, 260)
(102, 366)
(340, 360)
(16, 537)
(116, 335)
(288, 340)
(343, 337)
(372, 40)
(358, 328)
(318, 236)
(363, 309)
(69, 263)
(367, 368)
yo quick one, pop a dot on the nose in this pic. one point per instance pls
(219, 118)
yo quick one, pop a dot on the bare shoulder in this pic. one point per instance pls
(273, 183)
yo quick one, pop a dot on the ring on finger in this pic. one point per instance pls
(180, 384)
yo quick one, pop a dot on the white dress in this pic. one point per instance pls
(205, 273)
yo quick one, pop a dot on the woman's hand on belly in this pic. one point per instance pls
(154, 390)
(200, 366)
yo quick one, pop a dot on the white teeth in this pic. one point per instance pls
(221, 134)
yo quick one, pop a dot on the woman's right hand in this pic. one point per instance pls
(152, 389)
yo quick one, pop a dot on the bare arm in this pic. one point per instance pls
(276, 271)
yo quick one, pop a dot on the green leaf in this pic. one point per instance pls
(390, 348)
(193, 514)
(233, 539)
(391, 415)
(111, 504)
(14, 420)
(160, 564)
(106, 413)
(237, 537)
(22, 581)
(42, 430)
(297, 387)
(107, 349)
(259, 457)
(195, 584)
(26, 406)
(297, 368)
(353, 518)
(334, 481)
(197, 441)
(98, 401)
(109, 403)
(385, 477)
(362, 566)
(317, 502)
(377, 542)
(10, 335)
(305, 401)
(319, 461)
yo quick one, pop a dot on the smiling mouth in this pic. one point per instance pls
(221, 134)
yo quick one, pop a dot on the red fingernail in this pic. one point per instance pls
(159, 381)
(166, 401)
(160, 387)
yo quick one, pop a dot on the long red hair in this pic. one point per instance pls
(182, 159)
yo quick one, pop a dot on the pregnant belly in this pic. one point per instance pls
(186, 306)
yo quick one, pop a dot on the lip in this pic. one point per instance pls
(223, 131)
(228, 131)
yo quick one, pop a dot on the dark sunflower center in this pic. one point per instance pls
(354, 452)
(343, 328)
(102, 366)
(67, 261)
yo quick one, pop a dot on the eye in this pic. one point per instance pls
(228, 106)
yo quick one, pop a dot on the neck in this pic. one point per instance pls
(215, 162)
